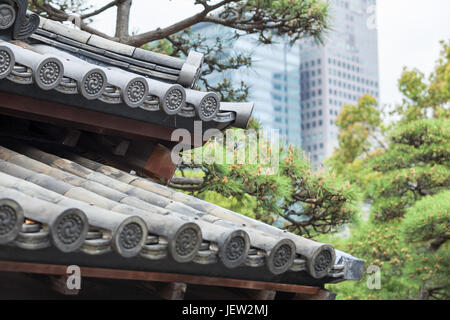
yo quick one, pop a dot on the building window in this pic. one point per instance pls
(277, 97)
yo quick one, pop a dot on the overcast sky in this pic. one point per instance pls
(409, 32)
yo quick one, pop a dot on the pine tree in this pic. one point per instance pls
(409, 225)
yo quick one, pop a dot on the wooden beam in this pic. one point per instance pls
(167, 291)
(320, 295)
(160, 164)
(11, 266)
(261, 294)
(71, 137)
(59, 284)
(122, 148)
(82, 119)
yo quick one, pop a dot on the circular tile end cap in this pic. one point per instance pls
(281, 257)
(7, 61)
(69, 230)
(174, 100)
(234, 249)
(129, 238)
(49, 73)
(11, 220)
(186, 242)
(136, 92)
(208, 107)
(93, 84)
(320, 264)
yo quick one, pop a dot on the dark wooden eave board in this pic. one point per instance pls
(36, 268)
(72, 117)
(121, 111)
(111, 260)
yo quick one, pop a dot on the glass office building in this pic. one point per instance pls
(337, 73)
(274, 79)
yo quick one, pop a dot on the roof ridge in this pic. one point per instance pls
(188, 68)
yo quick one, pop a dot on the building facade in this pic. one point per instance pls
(337, 72)
(274, 79)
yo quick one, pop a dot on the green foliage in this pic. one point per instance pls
(358, 125)
(279, 188)
(429, 219)
(415, 165)
(427, 226)
(381, 246)
(416, 144)
(299, 18)
(423, 99)
(439, 89)
(397, 190)
(408, 230)
(408, 270)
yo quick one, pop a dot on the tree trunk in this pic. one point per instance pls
(437, 243)
(123, 20)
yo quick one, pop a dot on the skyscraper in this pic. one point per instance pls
(338, 72)
(274, 79)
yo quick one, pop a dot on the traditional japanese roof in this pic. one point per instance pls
(79, 205)
(59, 207)
(52, 56)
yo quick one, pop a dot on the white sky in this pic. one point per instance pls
(408, 30)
